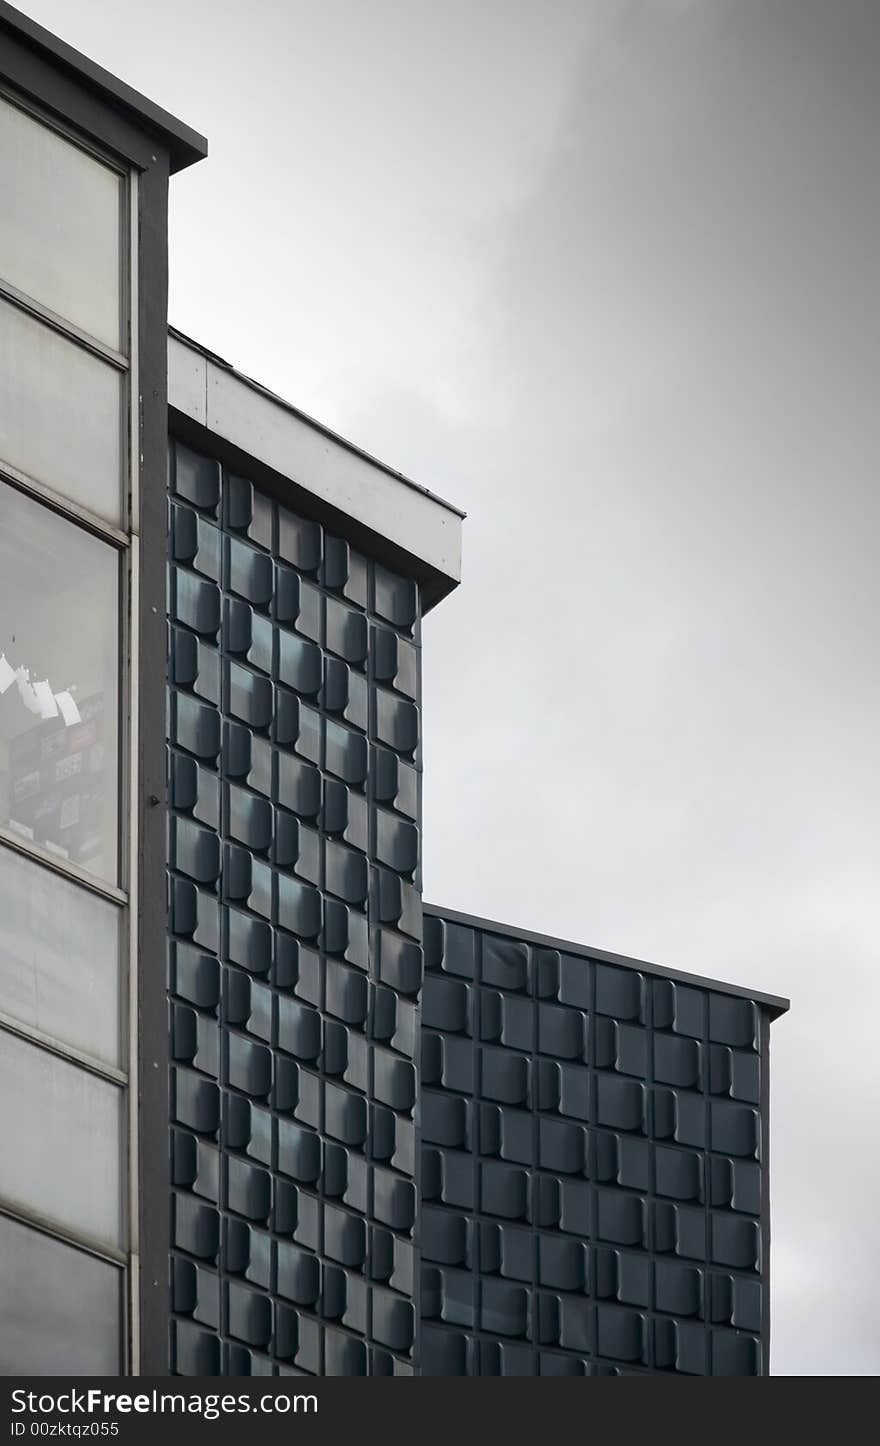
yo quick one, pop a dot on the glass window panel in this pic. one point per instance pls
(60, 413)
(60, 225)
(62, 1308)
(59, 664)
(59, 958)
(60, 1142)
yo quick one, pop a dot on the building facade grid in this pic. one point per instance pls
(592, 1166)
(295, 923)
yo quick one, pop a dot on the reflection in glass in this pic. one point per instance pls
(59, 958)
(60, 225)
(60, 414)
(62, 1308)
(59, 652)
(60, 1142)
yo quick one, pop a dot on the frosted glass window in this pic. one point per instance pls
(59, 958)
(59, 701)
(60, 225)
(62, 1308)
(60, 414)
(60, 1142)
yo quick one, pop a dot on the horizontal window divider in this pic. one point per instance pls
(80, 516)
(108, 1072)
(14, 841)
(67, 329)
(106, 1253)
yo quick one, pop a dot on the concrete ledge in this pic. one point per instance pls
(260, 429)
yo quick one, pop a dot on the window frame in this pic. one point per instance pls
(105, 1254)
(124, 540)
(124, 362)
(126, 673)
(123, 169)
(115, 1072)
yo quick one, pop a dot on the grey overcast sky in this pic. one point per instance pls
(606, 273)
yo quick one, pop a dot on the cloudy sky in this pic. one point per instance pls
(605, 273)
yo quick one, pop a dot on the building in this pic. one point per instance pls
(343, 1134)
(594, 1161)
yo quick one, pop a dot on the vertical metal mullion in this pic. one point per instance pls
(223, 965)
(131, 689)
(764, 1125)
(417, 1108)
(476, 1146)
(535, 1004)
(133, 333)
(322, 989)
(373, 944)
(707, 1179)
(148, 520)
(592, 1156)
(651, 1222)
(131, 972)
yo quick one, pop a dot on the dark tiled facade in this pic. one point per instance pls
(591, 1166)
(295, 922)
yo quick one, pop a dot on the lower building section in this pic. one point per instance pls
(593, 1164)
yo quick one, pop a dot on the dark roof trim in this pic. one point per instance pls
(183, 144)
(774, 1004)
(318, 426)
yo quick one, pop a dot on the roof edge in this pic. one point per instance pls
(311, 421)
(256, 432)
(434, 584)
(774, 1004)
(185, 145)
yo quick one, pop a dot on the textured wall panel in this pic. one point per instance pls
(591, 1166)
(295, 940)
